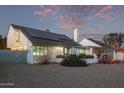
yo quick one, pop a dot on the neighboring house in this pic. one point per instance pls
(40, 44)
(95, 47)
(119, 53)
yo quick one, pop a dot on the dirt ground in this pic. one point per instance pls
(56, 76)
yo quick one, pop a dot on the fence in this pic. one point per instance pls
(119, 56)
(10, 56)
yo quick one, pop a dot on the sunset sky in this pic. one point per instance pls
(63, 19)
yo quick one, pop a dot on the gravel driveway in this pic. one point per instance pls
(56, 76)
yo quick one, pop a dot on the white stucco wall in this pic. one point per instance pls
(10, 37)
(38, 58)
(53, 51)
(86, 42)
(23, 44)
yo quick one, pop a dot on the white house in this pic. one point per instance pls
(40, 44)
(95, 47)
(90, 45)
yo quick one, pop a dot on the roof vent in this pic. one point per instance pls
(47, 30)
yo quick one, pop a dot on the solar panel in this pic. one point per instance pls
(45, 34)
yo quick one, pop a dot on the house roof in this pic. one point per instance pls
(96, 36)
(41, 37)
(99, 43)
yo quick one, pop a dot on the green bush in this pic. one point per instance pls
(82, 55)
(74, 61)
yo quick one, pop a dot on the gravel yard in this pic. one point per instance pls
(56, 76)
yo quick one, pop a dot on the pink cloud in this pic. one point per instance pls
(95, 30)
(105, 16)
(71, 25)
(104, 13)
(76, 16)
(61, 17)
(46, 11)
(106, 8)
(67, 26)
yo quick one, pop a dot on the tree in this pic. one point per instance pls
(3, 44)
(113, 39)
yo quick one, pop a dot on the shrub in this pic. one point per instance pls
(60, 56)
(82, 55)
(73, 61)
(105, 59)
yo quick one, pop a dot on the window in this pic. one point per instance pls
(66, 51)
(17, 36)
(81, 51)
(87, 51)
(39, 50)
(34, 50)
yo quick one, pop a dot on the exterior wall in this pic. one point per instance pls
(91, 60)
(13, 56)
(23, 44)
(38, 58)
(86, 42)
(53, 51)
(10, 37)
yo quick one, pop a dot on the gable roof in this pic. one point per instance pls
(40, 37)
(99, 43)
(96, 36)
